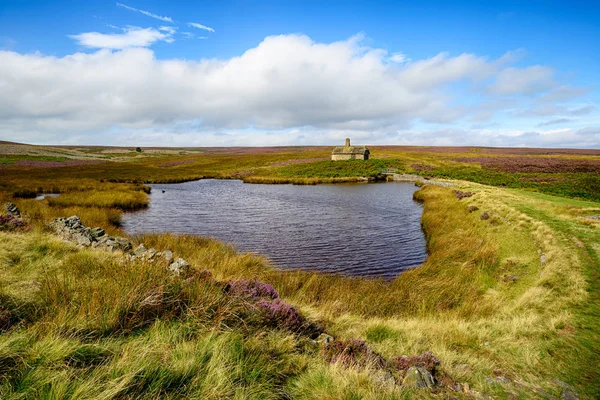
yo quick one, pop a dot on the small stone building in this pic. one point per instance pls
(348, 152)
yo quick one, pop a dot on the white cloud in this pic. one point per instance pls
(285, 84)
(399, 58)
(131, 37)
(528, 80)
(146, 13)
(200, 26)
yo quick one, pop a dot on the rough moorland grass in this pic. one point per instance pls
(91, 326)
(462, 303)
(121, 199)
(257, 167)
(11, 159)
(129, 330)
(485, 297)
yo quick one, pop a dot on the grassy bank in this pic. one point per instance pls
(83, 324)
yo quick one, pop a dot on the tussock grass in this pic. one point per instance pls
(514, 293)
(459, 303)
(122, 199)
(421, 290)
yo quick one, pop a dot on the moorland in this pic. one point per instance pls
(506, 305)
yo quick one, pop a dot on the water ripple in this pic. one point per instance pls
(358, 230)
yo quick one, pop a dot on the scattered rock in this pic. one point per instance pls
(594, 217)
(543, 259)
(12, 209)
(418, 378)
(113, 243)
(179, 267)
(384, 378)
(166, 255)
(324, 338)
(473, 208)
(484, 215)
(97, 232)
(150, 253)
(140, 250)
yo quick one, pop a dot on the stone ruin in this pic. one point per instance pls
(73, 230)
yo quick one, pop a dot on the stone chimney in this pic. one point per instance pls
(347, 142)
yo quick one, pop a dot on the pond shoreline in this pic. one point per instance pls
(349, 229)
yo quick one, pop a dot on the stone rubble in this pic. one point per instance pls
(418, 378)
(12, 209)
(73, 230)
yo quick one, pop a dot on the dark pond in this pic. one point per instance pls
(359, 229)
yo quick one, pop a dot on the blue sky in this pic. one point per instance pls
(509, 73)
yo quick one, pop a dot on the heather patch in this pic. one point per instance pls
(426, 360)
(461, 195)
(279, 314)
(251, 289)
(11, 222)
(534, 164)
(352, 352)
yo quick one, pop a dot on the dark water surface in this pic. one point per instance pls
(358, 229)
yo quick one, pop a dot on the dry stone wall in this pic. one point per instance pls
(73, 230)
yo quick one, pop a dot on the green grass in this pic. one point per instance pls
(575, 185)
(86, 325)
(337, 169)
(91, 324)
(11, 159)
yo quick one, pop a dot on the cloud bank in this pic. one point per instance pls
(288, 89)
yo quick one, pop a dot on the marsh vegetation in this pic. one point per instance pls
(508, 305)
